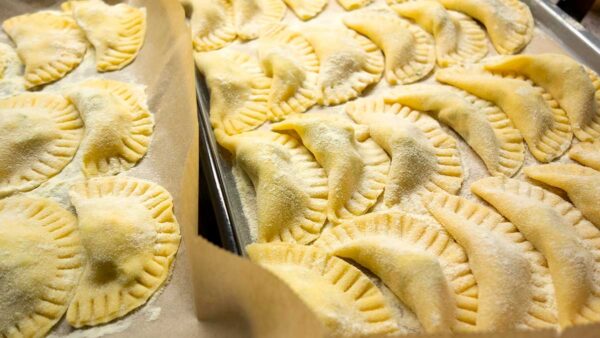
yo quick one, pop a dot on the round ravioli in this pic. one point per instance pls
(421, 265)
(117, 122)
(116, 32)
(130, 236)
(39, 135)
(344, 298)
(50, 45)
(40, 263)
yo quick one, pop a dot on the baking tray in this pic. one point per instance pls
(216, 166)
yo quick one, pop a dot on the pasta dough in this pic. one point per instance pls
(422, 265)
(291, 187)
(118, 125)
(566, 80)
(424, 158)
(39, 135)
(212, 23)
(130, 236)
(11, 81)
(345, 300)
(543, 124)
(306, 9)
(586, 153)
(509, 23)
(116, 32)
(561, 234)
(458, 39)
(409, 51)
(356, 167)
(250, 16)
(239, 91)
(581, 184)
(41, 261)
(348, 62)
(511, 275)
(50, 45)
(291, 62)
(482, 125)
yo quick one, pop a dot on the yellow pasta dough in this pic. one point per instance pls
(586, 153)
(348, 62)
(458, 39)
(239, 90)
(356, 167)
(421, 264)
(212, 23)
(543, 124)
(117, 122)
(41, 261)
(288, 58)
(39, 135)
(11, 81)
(481, 124)
(345, 300)
(581, 184)
(291, 187)
(409, 51)
(130, 236)
(250, 16)
(515, 288)
(509, 23)
(50, 45)
(424, 157)
(306, 9)
(116, 32)
(561, 234)
(566, 80)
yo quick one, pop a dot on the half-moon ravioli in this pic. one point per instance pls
(39, 135)
(568, 241)
(582, 184)
(116, 32)
(409, 51)
(481, 124)
(458, 39)
(509, 23)
(211, 22)
(291, 187)
(348, 62)
(568, 83)
(421, 264)
(50, 45)
(118, 125)
(543, 124)
(515, 287)
(250, 16)
(344, 298)
(288, 58)
(306, 9)
(41, 263)
(423, 156)
(130, 236)
(586, 153)
(356, 166)
(239, 90)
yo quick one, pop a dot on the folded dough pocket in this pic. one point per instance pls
(41, 263)
(130, 236)
(39, 135)
(239, 90)
(118, 125)
(344, 298)
(420, 264)
(290, 186)
(50, 45)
